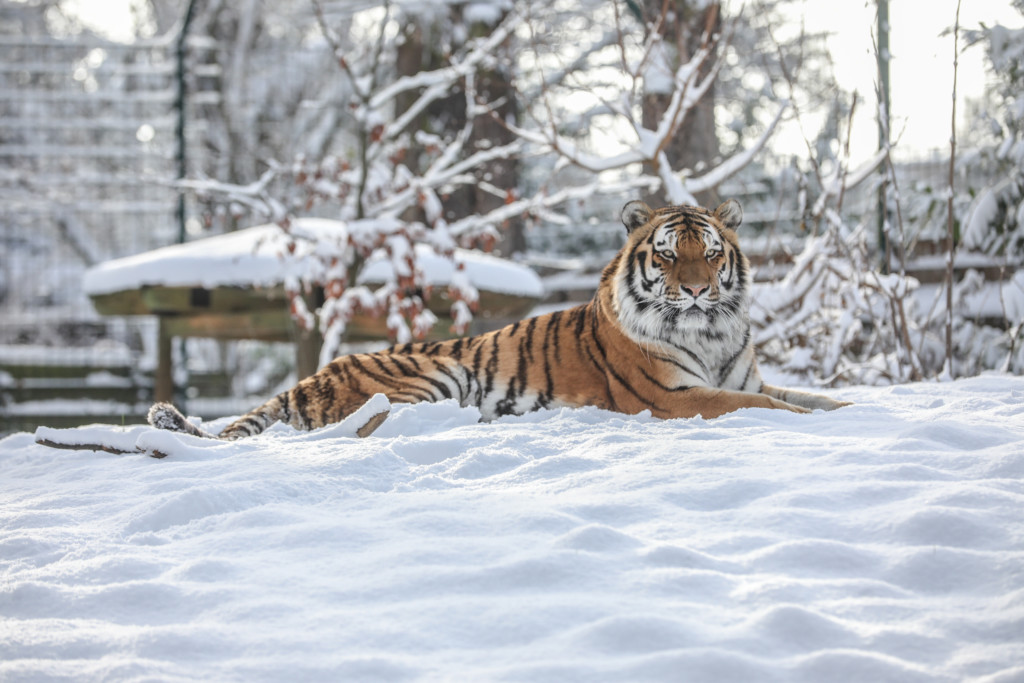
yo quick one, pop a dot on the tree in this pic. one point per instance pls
(834, 318)
(614, 104)
(683, 32)
(427, 146)
(429, 34)
(387, 176)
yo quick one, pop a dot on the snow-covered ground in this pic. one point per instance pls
(881, 542)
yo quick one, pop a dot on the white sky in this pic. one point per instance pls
(921, 66)
(921, 69)
(111, 18)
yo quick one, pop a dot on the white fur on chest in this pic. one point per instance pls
(723, 362)
(717, 355)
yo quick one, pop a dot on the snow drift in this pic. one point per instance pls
(881, 542)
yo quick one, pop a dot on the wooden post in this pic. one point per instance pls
(307, 353)
(308, 342)
(163, 385)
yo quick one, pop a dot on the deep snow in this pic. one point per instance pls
(880, 542)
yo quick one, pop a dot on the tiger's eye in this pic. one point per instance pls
(667, 255)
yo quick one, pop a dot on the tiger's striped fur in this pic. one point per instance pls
(667, 331)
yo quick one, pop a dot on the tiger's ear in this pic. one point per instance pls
(730, 213)
(635, 214)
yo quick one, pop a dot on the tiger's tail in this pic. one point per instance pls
(363, 421)
(166, 416)
(257, 420)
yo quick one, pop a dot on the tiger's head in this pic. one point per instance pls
(681, 272)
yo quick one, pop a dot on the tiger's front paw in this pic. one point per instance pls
(782, 405)
(835, 405)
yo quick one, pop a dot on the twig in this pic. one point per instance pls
(949, 204)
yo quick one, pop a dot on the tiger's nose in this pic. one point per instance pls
(695, 290)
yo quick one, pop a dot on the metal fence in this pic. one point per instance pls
(87, 162)
(87, 152)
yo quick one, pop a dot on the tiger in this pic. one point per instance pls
(667, 331)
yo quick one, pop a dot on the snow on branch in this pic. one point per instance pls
(841, 180)
(738, 162)
(257, 197)
(455, 172)
(644, 68)
(480, 51)
(685, 97)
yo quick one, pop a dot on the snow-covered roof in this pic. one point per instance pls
(249, 257)
(255, 257)
(485, 272)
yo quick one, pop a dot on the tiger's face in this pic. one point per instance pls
(681, 271)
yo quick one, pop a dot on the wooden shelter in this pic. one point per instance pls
(231, 287)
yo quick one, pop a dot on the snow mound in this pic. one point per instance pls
(880, 542)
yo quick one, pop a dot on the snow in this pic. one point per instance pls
(255, 257)
(69, 407)
(488, 13)
(105, 355)
(483, 270)
(984, 213)
(880, 542)
(991, 300)
(252, 257)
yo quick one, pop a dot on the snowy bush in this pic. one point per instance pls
(833, 318)
(995, 223)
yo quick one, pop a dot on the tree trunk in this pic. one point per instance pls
(495, 85)
(683, 27)
(422, 50)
